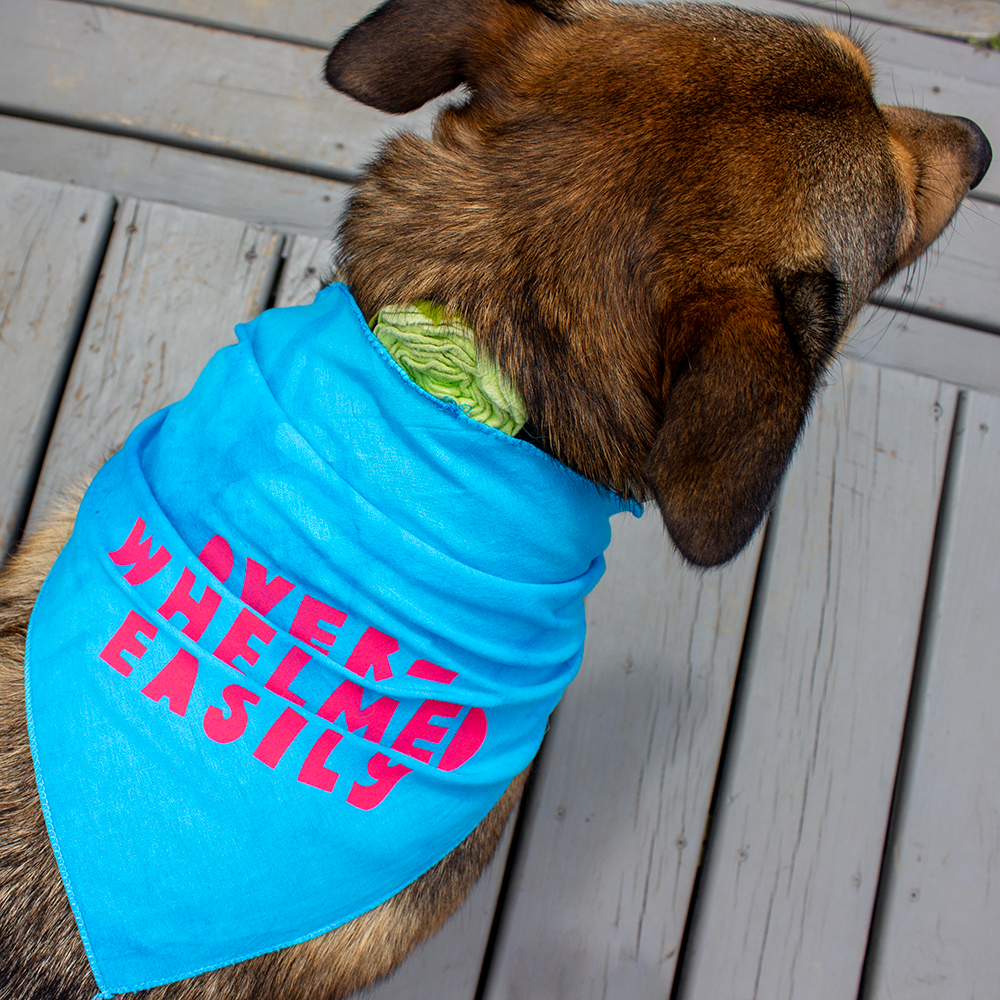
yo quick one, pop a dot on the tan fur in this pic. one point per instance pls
(644, 206)
(854, 52)
(661, 222)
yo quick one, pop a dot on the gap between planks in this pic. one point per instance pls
(125, 268)
(315, 22)
(938, 911)
(793, 860)
(261, 99)
(171, 286)
(52, 240)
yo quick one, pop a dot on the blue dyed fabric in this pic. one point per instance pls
(310, 624)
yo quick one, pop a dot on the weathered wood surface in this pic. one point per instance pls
(966, 19)
(172, 286)
(940, 917)
(265, 196)
(307, 266)
(218, 91)
(604, 876)
(309, 22)
(959, 278)
(796, 845)
(321, 22)
(183, 84)
(448, 965)
(927, 347)
(51, 242)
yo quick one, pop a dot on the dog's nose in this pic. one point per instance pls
(981, 152)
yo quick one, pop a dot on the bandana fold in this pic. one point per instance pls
(310, 624)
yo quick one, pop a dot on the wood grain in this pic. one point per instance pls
(309, 22)
(307, 267)
(966, 19)
(134, 168)
(958, 279)
(182, 84)
(51, 241)
(322, 21)
(926, 347)
(173, 285)
(601, 891)
(941, 911)
(797, 838)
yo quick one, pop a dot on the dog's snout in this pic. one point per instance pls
(981, 152)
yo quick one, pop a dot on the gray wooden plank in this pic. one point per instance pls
(322, 22)
(940, 910)
(942, 59)
(51, 242)
(266, 196)
(308, 265)
(965, 19)
(173, 285)
(447, 966)
(182, 84)
(188, 84)
(796, 845)
(959, 278)
(927, 347)
(311, 22)
(598, 901)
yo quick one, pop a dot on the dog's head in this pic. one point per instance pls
(661, 221)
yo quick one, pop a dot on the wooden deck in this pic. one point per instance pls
(775, 781)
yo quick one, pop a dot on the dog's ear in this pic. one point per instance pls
(735, 411)
(407, 52)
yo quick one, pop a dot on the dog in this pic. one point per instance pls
(660, 223)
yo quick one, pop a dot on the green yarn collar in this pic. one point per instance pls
(439, 353)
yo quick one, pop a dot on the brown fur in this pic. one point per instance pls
(661, 222)
(41, 955)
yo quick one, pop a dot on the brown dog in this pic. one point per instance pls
(661, 222)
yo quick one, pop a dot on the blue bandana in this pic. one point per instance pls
(310, 624)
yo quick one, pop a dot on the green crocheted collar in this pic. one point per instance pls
(439, 353)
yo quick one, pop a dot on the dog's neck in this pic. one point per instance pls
(570, 325)
(438, 352)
